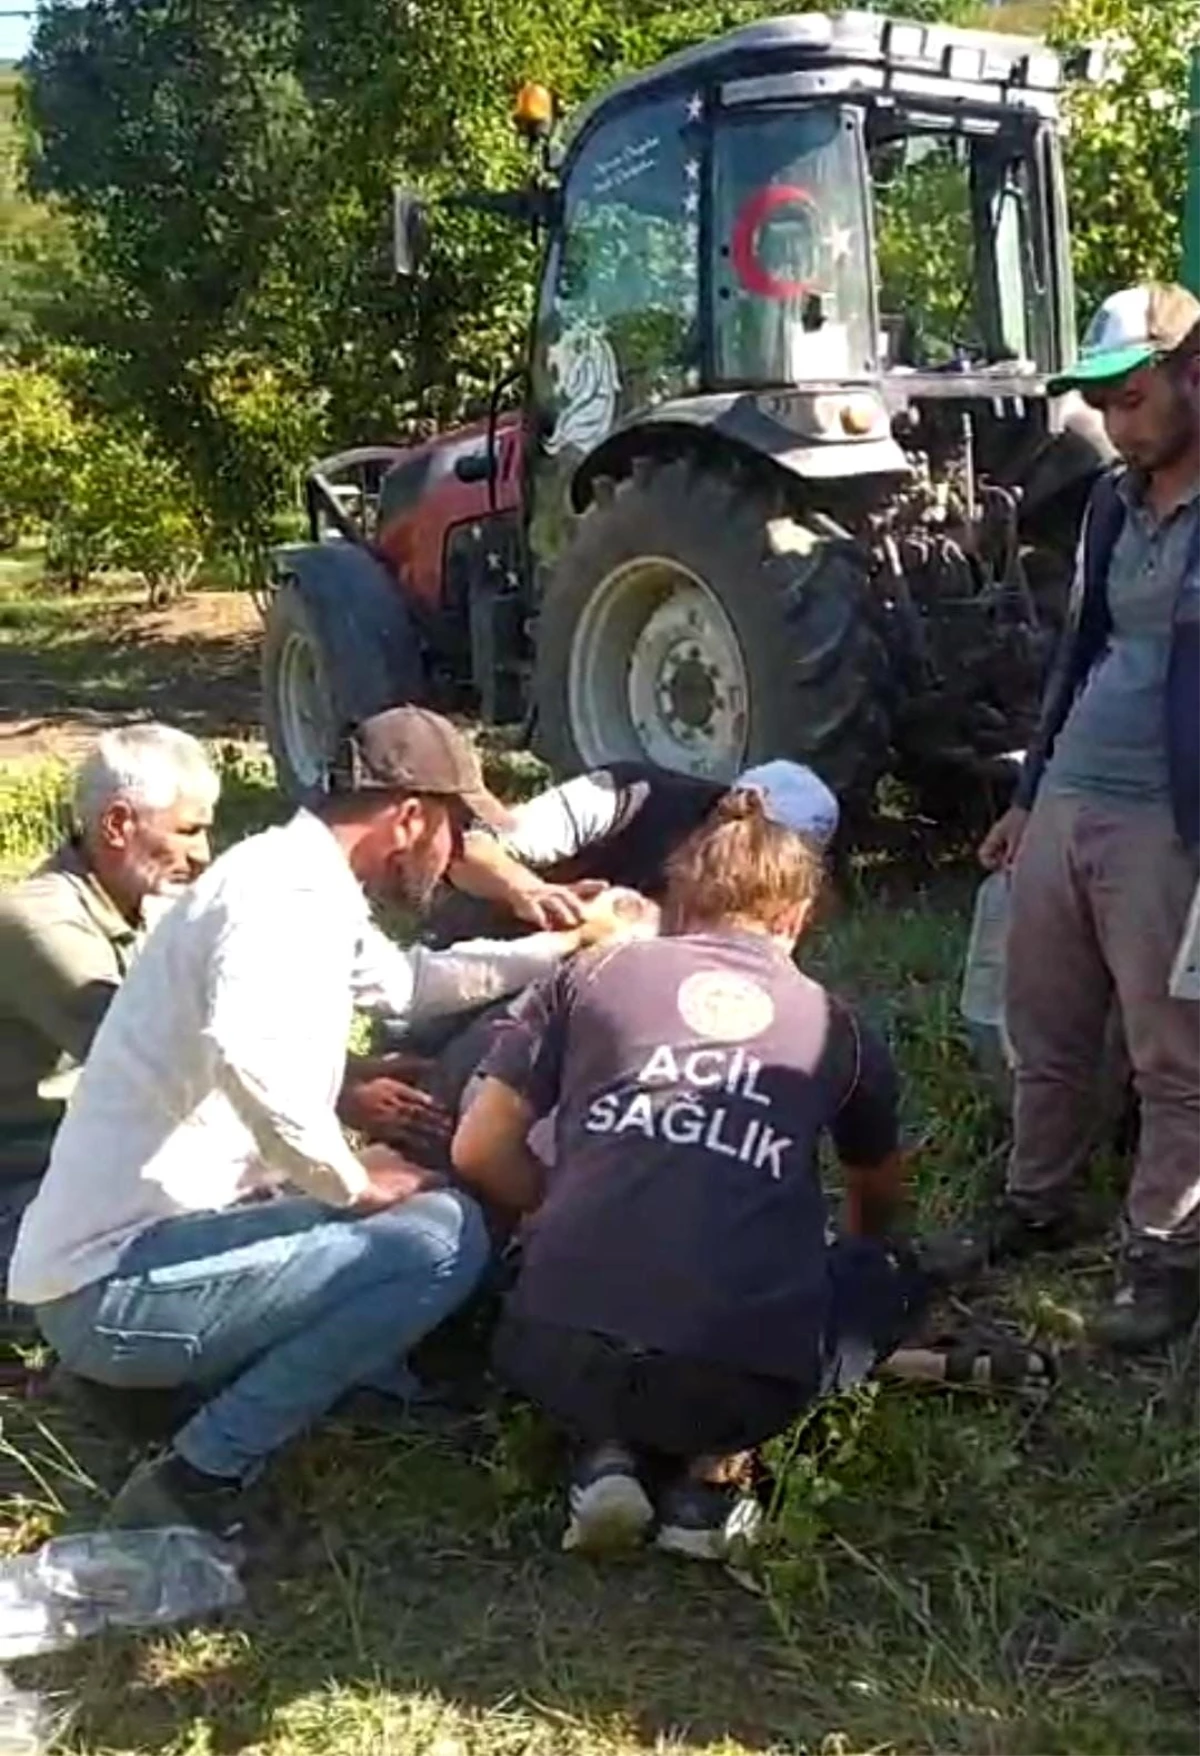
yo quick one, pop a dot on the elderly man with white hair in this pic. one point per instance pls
(143, 806)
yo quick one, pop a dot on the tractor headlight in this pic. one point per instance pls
(831, 415)
(861, 415)
(827, 417)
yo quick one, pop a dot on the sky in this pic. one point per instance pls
(14, 32)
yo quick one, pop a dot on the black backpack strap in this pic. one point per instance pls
(1086, 632)
(1103, 522)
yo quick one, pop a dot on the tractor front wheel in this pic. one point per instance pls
(694, 624)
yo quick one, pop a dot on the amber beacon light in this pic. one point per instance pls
(533, 111)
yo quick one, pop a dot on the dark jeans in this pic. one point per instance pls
(15, 1195)
(601, 1387)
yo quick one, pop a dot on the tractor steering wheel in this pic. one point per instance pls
(753, 214)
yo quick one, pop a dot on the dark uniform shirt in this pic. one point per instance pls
(692, 1078)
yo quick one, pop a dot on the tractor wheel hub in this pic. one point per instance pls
(657, 673)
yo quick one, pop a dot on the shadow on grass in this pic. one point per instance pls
(991, 1578)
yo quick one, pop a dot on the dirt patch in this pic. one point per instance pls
(70, 668)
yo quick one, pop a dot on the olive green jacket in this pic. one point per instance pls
(64, 948)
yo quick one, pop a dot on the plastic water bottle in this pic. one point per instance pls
(74, 1586)
(982, 998)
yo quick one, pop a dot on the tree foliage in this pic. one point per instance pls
(1127, 151)
(37, 447)
(227, 166)
(99, 490)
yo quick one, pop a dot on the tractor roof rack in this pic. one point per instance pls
(818, 54)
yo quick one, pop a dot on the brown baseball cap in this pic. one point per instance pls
(412, 750)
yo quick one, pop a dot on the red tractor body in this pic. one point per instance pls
(424, 499)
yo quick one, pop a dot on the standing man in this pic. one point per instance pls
(203, 1222)
(143, 806)
(1102, 838)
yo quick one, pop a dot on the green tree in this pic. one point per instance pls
(39, 439)
(122, 505)
(1127, 151)
(35, 241)
(228, 165)
(181, 139)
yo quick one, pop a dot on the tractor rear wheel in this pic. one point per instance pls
(693, 624)
(339, 645)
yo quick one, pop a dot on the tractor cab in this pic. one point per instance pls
(844, 203)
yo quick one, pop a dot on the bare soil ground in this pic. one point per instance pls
(71, 666)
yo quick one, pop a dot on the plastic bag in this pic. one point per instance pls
(26, 1724)
(74, 1586)
(982, 998)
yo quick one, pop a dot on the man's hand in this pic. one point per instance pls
(551, 908)
(392, 1179)
(377, 1099)
(999, 847)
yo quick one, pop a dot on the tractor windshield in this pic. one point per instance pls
(791, 282)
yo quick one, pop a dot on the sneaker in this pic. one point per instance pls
(708, 1521)
(1154, 1303)
(610, 1510)
(165, 1491)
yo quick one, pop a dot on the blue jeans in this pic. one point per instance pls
(278, 1308)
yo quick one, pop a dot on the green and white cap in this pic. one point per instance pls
(1131, 329)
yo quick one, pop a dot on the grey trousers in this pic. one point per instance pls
(1100, 897)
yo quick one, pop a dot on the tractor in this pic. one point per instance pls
(785, 478)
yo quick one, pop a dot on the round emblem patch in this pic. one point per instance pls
(725, 1007)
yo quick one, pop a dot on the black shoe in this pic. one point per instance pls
(1155, 1302)
(708, 1521)
(134, 1417)
(166, 1491)
(1015, 1232)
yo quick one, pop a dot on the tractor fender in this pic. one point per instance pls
(368, 633)
(739, 422)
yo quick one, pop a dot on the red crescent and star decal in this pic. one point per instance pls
(754, 212)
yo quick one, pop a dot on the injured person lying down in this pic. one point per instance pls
(678, 1299)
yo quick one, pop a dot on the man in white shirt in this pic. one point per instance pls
(160, 1251)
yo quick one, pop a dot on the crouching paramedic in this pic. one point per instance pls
(678, 1301)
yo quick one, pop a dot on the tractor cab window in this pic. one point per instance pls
(961, 257)
(791, 283)
(617, 327)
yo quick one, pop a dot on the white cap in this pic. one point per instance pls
(795, 798)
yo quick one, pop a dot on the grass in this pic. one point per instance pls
(948, 1572)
